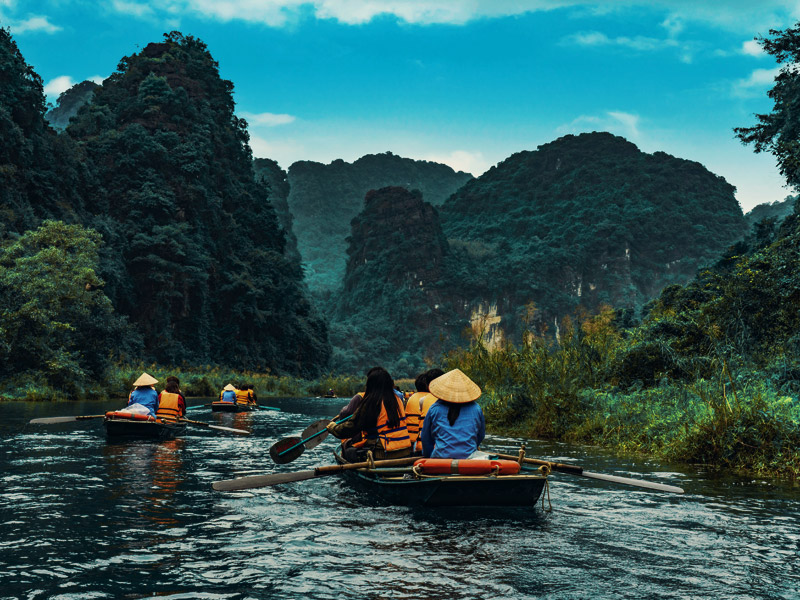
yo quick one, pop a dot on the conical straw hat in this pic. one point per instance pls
(455, 387)
(229, 387)
(145, 379)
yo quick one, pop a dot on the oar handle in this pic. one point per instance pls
(301, 442)
(395, 462)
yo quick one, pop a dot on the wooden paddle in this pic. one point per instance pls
(257, 481)
(50, 420)
(210, 426)
(286, 450)
(576, 470)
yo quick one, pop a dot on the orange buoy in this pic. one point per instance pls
(466, 466)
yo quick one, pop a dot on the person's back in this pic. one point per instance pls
(171, 403)
(228, 394)
(458, 440)
(144, 393)
(454, 426)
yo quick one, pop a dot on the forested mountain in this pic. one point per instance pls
(68, 104)
(193, 251)
(394, 309)
(324, 198)
(586, 220)
(270, 173)
(773, 210)
(41, 174)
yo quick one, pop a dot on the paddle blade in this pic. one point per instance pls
(650, 485)
(51, 420)
(313, 434)
(231, 429)
(268, 407)
(286, 450)
(257, 481)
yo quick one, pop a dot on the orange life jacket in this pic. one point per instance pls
(168, 408)
(244, 396)
(391, 438)
(413, 412)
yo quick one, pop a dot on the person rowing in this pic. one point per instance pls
(378, 423)
(143, 398)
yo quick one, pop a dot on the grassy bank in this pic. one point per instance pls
(195, 381)
(736, 419)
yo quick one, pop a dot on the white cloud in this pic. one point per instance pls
(617, 122)
(743, 15)
(753, 48)
(268, 119)
(136, 9)
(462, 160)
(756, 82)
(57, 85)
(98, 79)
(596, 38)
(33, 23)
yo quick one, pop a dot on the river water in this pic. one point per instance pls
(81, 518)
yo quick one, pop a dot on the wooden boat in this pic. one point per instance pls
(231, 407)
(125, 426)
(403, 486)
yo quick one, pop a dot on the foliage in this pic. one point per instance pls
(778, 131)
(324, 199)
(69, 102)
(56, 324)
(586, 220)
(195, 254)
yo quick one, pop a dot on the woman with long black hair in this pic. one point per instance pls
(454, 426)
(379, 423)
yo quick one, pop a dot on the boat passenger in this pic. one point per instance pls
(245, 394)
(378, 424)
(454, 426)
(228, 394)
(171, 403)
(176, 380)
(418, 405)
(351, 407)
(144, 393)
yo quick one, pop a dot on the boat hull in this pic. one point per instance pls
(231, 407)
(128, 429)
(447, 490)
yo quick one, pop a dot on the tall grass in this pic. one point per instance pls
(566, 390)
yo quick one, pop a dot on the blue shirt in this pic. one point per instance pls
(442, 440)
(146, 396)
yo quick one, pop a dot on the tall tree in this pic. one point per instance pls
(778, 132)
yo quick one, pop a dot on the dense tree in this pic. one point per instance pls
(55, 321)
(196, 254)
(41, 175)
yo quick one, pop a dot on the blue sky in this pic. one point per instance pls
(467, 83)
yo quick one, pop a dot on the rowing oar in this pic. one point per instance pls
(257, 481)
(286, 450)
(50, 420)
(267, 407)
(210, 426)
(576, 470)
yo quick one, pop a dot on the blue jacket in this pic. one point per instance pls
(146, 396)
(228, 396)
(442, 440)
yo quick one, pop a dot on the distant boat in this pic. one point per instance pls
(232, 407)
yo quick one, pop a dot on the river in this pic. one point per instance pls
(81, 519)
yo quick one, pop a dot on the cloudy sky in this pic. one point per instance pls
(467, 83)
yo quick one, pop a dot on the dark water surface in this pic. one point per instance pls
(82, 519)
